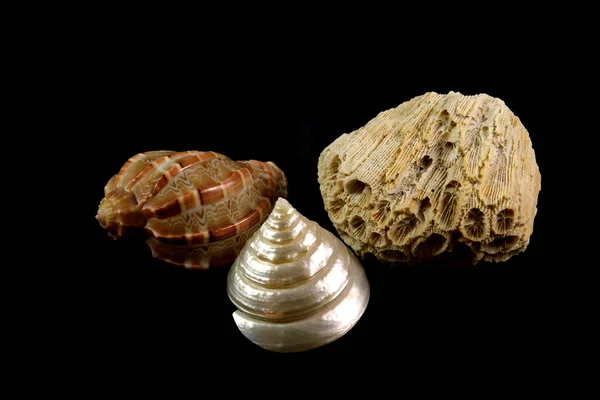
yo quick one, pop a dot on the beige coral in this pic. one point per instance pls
(434, 171)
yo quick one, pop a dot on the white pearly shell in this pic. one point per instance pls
(296, 286)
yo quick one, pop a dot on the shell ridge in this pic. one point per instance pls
(154, 165)
(177, 171)
(128, 164)
(292, 242)
(217, 234)
(226, 188)
(133, 164)
(247, 288)
(301, 276)
(284, 273)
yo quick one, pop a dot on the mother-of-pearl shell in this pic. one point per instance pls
(296, 286)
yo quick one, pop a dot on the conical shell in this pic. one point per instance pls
(199, 208)
(436, 170)
(296, 286)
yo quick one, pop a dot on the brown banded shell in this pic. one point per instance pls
(199, 208)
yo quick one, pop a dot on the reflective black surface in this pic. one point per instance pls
(141, 307)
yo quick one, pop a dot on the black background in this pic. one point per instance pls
(251, 101)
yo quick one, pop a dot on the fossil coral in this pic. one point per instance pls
(434, 171)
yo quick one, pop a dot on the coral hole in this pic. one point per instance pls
(448, 147)
(425, 163)
(485, 132)
(474, 224)
(431, 246)
(357, 224)
(502, 244)
(355, 186)
(381, 210)
(505, 220)
(377, 240)
(336, 205)
(403, 228)
(449, 203)
(452, 186)
(424, 206)
(334, 167)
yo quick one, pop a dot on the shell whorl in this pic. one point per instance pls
(197, 207)
(296, 286)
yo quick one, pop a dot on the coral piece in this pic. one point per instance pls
(434, 171)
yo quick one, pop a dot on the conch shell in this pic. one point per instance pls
(434, 171)
(296, 286)
(199, 208)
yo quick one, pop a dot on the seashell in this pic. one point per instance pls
(296, 285)
(199, 208)
(436, 170)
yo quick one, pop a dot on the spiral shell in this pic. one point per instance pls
(199, 208)
(296, 286)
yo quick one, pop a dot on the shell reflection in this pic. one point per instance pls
(296, 286)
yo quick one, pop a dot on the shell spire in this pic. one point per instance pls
(296, 286)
